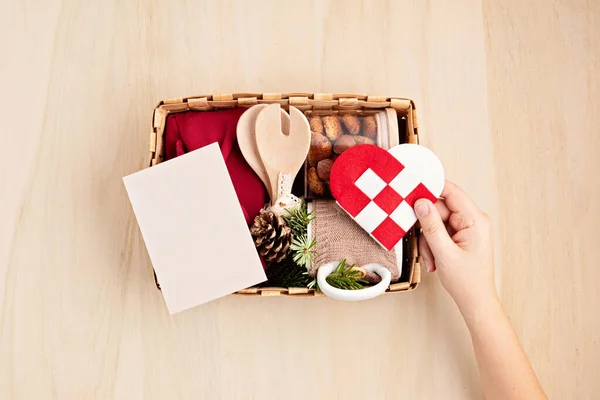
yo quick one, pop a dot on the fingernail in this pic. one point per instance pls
(421, 208)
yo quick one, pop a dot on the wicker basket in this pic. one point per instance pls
(303, 101)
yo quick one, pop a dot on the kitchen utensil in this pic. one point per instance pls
(246, 137)
(282, 155)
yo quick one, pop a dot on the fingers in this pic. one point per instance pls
(424, 249)
(459, 221)
(463, 211)
(433, 227)
(458, 201)
(426, 255)
(443, 210)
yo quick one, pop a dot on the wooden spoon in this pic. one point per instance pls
(282, 155)
(246, 137)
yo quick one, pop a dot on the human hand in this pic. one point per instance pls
(457, 242)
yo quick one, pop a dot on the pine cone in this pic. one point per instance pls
(272, 236)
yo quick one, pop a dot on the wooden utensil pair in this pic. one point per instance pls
(275, 145)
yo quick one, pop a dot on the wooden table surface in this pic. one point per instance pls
(509, 98)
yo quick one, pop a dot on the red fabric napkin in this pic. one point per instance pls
(191, 130)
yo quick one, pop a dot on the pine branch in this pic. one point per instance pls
(303, 250)
(346, 277)
(343, 277)
(298, 218)
(286, 274)
(291, 272)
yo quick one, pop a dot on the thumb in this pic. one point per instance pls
(434, 229)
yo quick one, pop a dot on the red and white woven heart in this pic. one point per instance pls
(379, 188)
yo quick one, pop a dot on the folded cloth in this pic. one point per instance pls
(340, 237)
(191, 130)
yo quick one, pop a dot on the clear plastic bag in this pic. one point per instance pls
(333, 132)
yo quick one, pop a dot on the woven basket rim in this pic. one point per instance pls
(332, 102)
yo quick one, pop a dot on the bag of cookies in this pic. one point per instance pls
(333, 132)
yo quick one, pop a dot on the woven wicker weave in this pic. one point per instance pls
(302, 101)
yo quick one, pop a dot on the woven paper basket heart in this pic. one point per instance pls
(379, 188)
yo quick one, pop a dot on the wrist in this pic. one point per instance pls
(479, 306)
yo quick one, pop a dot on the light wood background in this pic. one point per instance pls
(509, 97)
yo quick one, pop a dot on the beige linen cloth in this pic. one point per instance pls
(339, 237)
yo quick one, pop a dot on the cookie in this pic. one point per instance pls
(320, 149)
(315, 184)
(352, 123)
(363, 140)
(316, 124)
(369, 127)
(333, 128)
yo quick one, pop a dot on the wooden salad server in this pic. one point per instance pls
(246, 137)
(282, 155)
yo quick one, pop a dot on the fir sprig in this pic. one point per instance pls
(286, 274)
(303, 249)
(298, 218)
(291, 272)
(343, 277)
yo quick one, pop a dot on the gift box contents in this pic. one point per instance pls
(325, 185)
(332, 133)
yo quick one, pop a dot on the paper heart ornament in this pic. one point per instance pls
(379, 188)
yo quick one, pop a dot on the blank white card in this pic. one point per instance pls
(194, 228)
